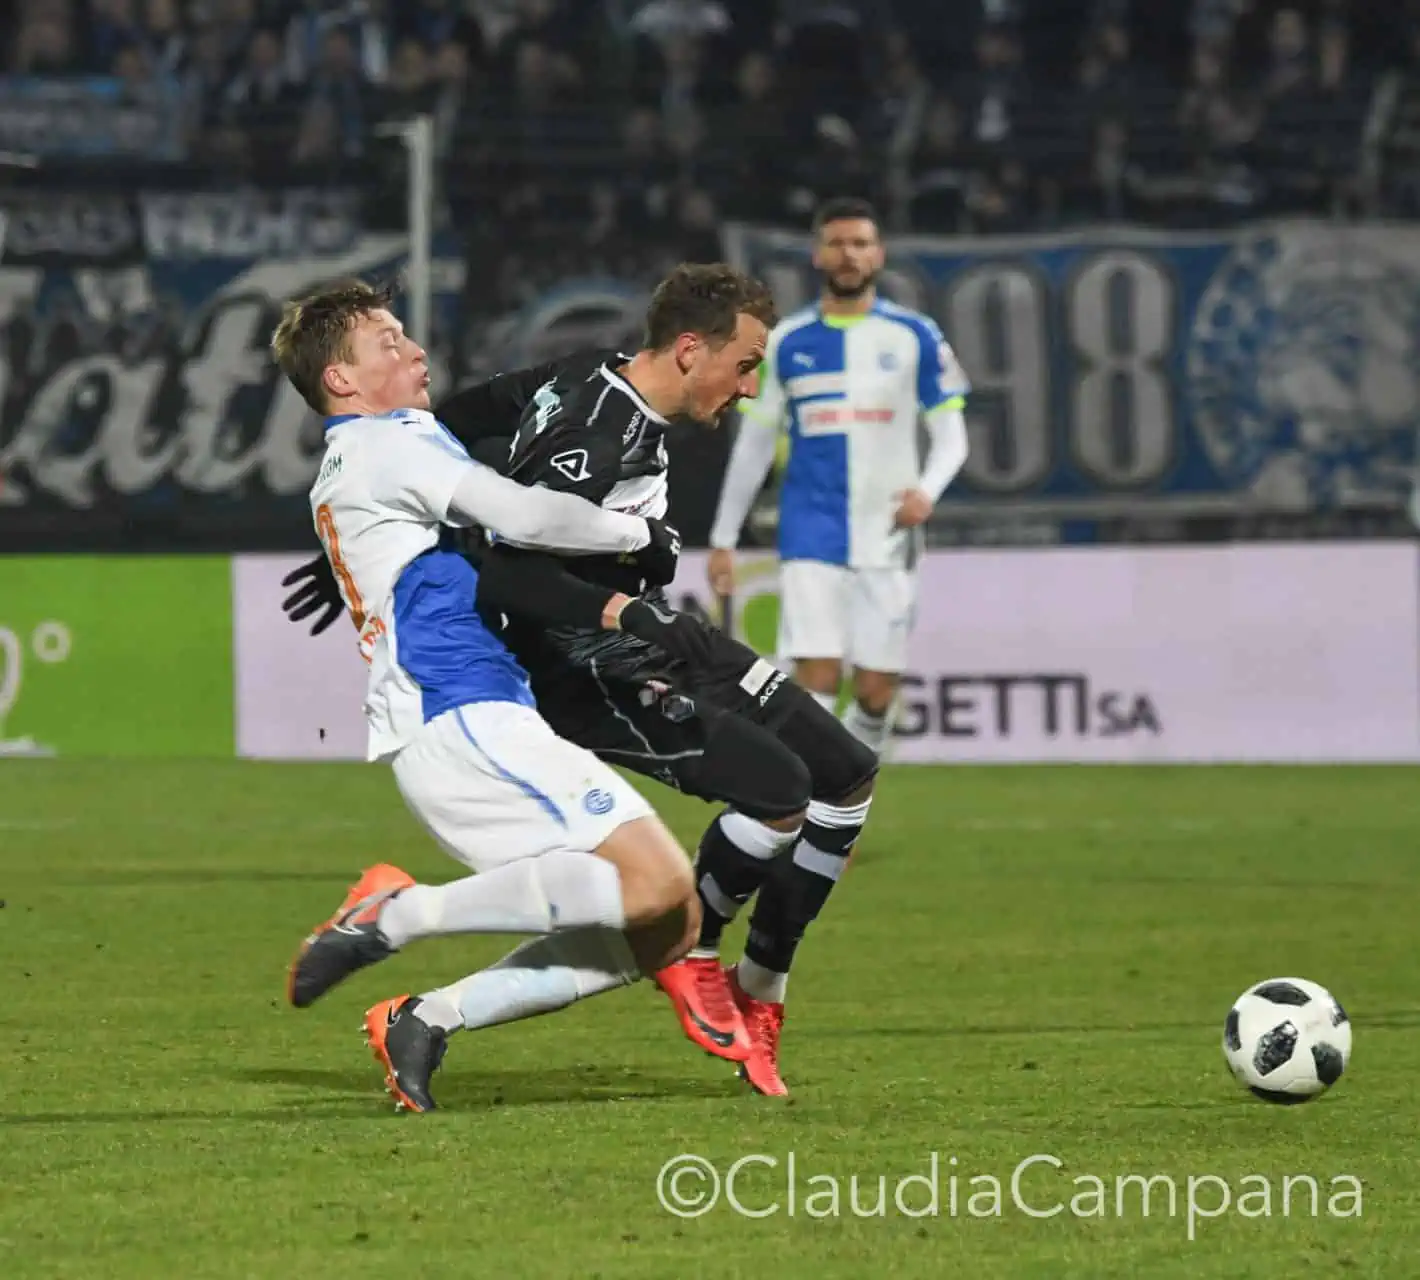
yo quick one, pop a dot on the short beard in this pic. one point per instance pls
(849, 293)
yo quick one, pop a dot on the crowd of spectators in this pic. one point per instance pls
(638, 118)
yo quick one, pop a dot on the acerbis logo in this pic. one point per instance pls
(573, 464)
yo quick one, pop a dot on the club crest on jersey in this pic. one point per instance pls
(573, 464)
(887, 361)
(598, 802)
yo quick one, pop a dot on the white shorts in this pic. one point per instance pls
(493, 783)
(863, 616)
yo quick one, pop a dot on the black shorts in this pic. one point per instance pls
(737, 731)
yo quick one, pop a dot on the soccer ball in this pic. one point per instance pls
(1287, 1040)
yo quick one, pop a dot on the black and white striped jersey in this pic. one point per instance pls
(586, 430)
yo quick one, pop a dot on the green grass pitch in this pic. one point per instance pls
(1021, 962)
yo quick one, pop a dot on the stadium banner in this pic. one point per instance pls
(61, 228)
(115, 656)
(1257, 653)
(1142, 385)
(91, 117)
(139, 406)
(140, 409)
(1270, 653)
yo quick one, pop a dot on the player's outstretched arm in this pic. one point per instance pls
(534, 585)
(536, 517)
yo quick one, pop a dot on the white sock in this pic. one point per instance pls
(828, 701)
(761, 983)
(541, 976)
(753, 839)
(870, 729)
(559, 890)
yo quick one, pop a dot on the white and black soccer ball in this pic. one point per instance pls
(1287, 1040)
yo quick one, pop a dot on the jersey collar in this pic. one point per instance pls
(399, 415)
(622, 385)
(834, 321)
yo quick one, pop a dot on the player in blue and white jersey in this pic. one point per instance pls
(562, 846)
(849, 378)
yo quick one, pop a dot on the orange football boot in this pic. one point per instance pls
(349, 940)
(409, 1050)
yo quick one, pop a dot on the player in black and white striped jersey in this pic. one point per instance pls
(734, 729)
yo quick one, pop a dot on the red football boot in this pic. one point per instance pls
(764, 1020)
(706, 1009)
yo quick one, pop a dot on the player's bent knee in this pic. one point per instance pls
(656, 876)
(844, 769)
(664, 941)
(789, 825)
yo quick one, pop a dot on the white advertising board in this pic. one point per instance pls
(1267, 653)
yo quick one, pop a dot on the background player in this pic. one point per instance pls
(562, 845)
(736, 730)
(849, 377)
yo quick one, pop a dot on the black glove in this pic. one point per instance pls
(318, 590)
(657, 560)
(677, 634)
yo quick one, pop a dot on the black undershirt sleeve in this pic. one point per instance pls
(531, 584)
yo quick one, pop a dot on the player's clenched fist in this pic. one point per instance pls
(678, 634)
(659, 558)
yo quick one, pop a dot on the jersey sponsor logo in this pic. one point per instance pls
(802, 359)
(573, 463)
(831, 417)
(598, 802)
(633, 428)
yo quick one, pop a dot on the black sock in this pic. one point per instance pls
(800, 884)
(736, 855)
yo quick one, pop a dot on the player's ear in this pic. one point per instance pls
(336, 382)
(686, 347)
